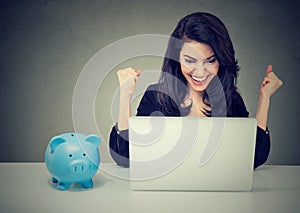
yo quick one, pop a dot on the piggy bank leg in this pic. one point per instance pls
(87, 184)
(63, 186)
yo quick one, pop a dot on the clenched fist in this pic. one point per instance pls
(270, 83)
(128, 79)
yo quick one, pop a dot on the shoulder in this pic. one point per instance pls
(237, 98)
(153, 88)
(149, 102)
(238, 106)
(152, 91)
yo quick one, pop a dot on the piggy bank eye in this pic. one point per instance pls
(84, 154)
(70, 155)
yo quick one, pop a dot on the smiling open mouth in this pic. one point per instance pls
(198, 79)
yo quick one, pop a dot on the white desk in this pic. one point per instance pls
(27, 187)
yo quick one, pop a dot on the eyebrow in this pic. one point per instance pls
(196, 59)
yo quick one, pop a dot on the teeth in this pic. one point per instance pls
(199, 79)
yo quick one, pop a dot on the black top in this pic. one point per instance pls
(149, 105)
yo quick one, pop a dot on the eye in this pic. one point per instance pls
(70, 155)
(188, 61)
(84, 154)
(211, 61)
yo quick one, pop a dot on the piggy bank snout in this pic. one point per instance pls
(78, 167)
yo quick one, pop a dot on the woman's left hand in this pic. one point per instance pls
(270, 84)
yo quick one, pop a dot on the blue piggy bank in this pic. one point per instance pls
(73, 158)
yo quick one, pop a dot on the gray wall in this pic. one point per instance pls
(44, 46)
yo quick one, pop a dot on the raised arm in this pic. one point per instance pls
(118, 140)
(268, 87)
(128, 79)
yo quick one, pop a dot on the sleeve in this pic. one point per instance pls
(119, 146)
(263, 143)
(262, 148)
(119, 140)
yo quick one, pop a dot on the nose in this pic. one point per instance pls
(199, 69)
(79, 167)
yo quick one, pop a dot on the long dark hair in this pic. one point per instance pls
(209, 29)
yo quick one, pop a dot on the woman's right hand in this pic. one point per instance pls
(128, 79)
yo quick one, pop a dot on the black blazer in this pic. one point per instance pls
(149, 105)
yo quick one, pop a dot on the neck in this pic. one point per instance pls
(196, 95)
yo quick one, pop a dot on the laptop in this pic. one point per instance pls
(191, 154)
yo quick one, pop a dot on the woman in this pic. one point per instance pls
(200, 56)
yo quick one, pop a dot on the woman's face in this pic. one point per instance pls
(198, 65)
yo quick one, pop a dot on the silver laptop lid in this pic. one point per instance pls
(185, 153)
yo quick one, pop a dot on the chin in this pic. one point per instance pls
(199, 89)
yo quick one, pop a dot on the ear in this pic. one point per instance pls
(55, 142)
(94, 139)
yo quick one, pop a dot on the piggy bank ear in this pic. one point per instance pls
(94, 139)
(55, 142)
